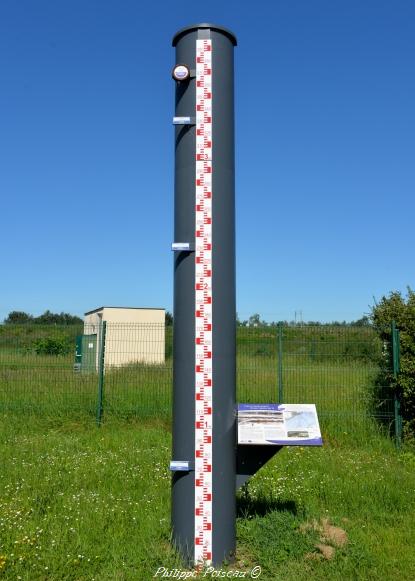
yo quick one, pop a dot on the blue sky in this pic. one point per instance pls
(325, 117)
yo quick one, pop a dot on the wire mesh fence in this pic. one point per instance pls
(126, 369)
(337, 368)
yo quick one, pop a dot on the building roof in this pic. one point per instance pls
(128, 308)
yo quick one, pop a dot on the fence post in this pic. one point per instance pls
(101, 370)
(396, 369)
(280, 385)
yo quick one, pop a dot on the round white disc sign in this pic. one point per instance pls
(181, 72)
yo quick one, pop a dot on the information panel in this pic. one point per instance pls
(278, 424)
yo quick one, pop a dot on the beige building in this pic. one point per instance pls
(133, 335)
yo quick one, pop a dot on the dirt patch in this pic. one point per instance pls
(334, 535)
(326, 551)
(328, 533)
(331, 537)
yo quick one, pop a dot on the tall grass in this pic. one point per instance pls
(78, 504)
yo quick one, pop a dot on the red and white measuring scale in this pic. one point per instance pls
(203, 304)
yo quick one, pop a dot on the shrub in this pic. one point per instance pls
(52, 346)
(400, 309)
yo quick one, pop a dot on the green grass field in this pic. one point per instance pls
(78, 502)
(85, 503)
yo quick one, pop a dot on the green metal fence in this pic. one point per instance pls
(338, 369)
(126, 369)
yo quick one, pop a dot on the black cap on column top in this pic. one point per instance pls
(215, 27)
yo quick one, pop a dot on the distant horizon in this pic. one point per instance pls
(241, 320)
(296, 315)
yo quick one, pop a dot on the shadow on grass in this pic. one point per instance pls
(248, 507)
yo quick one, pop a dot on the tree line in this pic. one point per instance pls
(256, 321)
(48, 318)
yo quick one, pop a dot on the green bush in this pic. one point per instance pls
(400, 309)
(52, 346)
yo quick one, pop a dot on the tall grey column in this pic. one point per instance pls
(217, 507)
